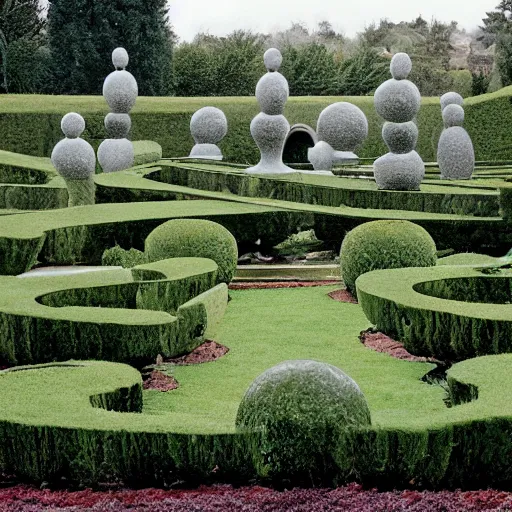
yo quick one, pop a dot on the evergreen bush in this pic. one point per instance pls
(119, 257)
(384, 244)
(194, 238)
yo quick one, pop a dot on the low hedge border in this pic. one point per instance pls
(108, 315)
(396, 301)
(91, 430)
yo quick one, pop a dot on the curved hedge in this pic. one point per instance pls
(30, 123)
(384, 244)
(111, 315)
(194, 237)
(427, 309)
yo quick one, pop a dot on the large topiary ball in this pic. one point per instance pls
(298, 408)
(194, 238)
(385, 244)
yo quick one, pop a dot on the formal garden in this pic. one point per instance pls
(270, 292)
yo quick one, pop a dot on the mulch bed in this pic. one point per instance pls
(221, 498)
(159, 381)
(262, 285)
(208, 351)
(343, 296)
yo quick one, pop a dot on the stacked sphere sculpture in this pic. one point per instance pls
(75, 161)
(455, 152)
(270, 128)
(120, 92)
(208, 126)
(398, 101)
(341, 128)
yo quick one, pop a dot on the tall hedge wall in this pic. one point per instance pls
(31, 124)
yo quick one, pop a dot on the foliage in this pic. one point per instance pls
(117, 256)
(21, 24)
(384, 244)
(199, 238)
(83, 34)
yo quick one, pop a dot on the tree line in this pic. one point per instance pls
(66, 50)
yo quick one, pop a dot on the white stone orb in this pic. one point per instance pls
(451, 98)
(120, 91)
(115, 155)
(343, 126)
(208, 125)
(74, 159)
(72, 125)
(118, 125)
(272, 93)
(400, 137)
(272, 59)
(397, 101)
(120, 58)
(401, 66)
(453, 115)
(399, 171)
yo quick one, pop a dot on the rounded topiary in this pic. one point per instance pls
(385, 244)
(343, 126)
(300, 407)
(451, 98)
(272, 93)
(194, 238)
(453, 115)
(397, 101)
(400, 138)
(208, 125)
(401, 66)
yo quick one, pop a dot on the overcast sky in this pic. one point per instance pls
(220, 17)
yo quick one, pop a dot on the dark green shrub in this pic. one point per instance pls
(146, 152)
(300, 407)
(119, 257)
(194, 238)
(385, 244)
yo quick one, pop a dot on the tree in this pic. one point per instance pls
(497, 29)
(20, 21)
(83, 33)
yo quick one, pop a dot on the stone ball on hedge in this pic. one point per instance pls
(120, 58)
(74, 159)
(453, 115)
(400, 137)
(194, 238)
(384, 244)
(118, 125)
(272, 59)
(401, 66)
(116, 155)
(300, 406)
(208, 125)
(272, 93)
(343, 126)
(397, 101)
(72, 125)
(120, 91)
(451, 98)
(395, 171)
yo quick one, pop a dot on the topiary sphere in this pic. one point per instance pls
(399, 171)
(208, 125)
(194, 238)
(451, 98)
(72, 125)
(116, 155)
(300, 406)
(272, 59)
(272, 93)
(120, 91)
(343, 126)
(401, 66)
(384, 244)
(118, 125)
(453, 115)
(120, 58)
(397, 101)
(400, 137)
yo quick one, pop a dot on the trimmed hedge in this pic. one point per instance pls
(384, 244)
(110, 315)
(193, 237)
(146, 152)
(31, 123)
(448, 312)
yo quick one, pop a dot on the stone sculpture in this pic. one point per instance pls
(75, 161)
(341, 128)
(208, 126)
(398, 101)
(270, 128)
(455, 153)
(120, 92)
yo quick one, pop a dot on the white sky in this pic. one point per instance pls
(220, 17)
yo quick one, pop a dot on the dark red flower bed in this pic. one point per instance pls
(252, 499)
